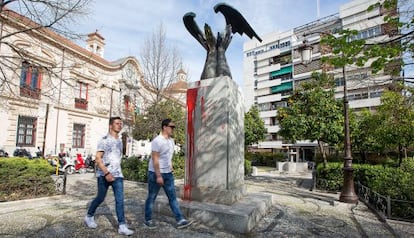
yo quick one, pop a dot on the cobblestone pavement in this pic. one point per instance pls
(296, 212)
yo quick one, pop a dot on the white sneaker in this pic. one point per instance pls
(90, 222)
(123, 230)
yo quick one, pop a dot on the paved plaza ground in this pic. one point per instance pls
(296, 212)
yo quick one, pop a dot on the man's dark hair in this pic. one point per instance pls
(165, 122)
(112, 119)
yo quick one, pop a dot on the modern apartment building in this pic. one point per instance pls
(274, 67)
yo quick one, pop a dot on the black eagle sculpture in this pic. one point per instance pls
(216, 63)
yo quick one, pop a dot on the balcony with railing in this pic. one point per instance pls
(26, 91)
(81, 103)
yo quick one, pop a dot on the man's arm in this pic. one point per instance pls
(156, 163)
(101, 166)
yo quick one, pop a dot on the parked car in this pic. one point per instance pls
(3, 153)
(21, 152)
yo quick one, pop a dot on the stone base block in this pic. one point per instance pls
(216, 195)
(241, 217)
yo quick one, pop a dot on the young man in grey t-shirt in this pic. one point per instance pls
(160, 175)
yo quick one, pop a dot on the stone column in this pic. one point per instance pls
(214, 170)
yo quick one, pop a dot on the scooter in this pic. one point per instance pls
(90, 163)
(80, 166)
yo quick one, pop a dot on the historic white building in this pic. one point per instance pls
(273, 67)
(58, 96)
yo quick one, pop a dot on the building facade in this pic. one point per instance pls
(273, 68)
(57, 96)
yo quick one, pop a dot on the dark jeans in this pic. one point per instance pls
(118, 188)
(169, 188)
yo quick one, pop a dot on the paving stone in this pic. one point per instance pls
(296, 212)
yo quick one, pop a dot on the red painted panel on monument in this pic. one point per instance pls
(191, 104)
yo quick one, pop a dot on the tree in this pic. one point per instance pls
(397, 115)
(254, 129)
(35, 17)
(148, 125)
(160, 64)
(313, 113)
(365, 133)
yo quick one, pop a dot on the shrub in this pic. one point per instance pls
(248, 169)
(264, 158)
(21, 178)
(136, 169)
(387, 181)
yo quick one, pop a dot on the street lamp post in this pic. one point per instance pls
(348, 194)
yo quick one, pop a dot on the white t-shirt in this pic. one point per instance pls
(166, 149)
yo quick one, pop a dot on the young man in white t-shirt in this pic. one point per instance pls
(160, 175)
(109, 174)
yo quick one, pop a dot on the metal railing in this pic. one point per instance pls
(385, 206)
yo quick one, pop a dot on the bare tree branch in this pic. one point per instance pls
(160, 63)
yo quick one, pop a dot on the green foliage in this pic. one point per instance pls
(407, 165)
(344, 50)
(391, 128)
(136, 169)
(179, 165)
(254, 129)
(312, 112)
(248, 169)
(265, 158)
(21, 178)
(364, 132)
(397, 120)
(380, 179)
(148, 125)
(399, 22)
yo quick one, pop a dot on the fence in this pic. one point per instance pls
(385, 206)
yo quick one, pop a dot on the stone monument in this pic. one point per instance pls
(215, 117)
(214, 170)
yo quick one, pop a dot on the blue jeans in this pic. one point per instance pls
(169, 188)
(118, 188)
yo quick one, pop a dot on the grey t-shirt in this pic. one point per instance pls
(166, 149)
(112, 155)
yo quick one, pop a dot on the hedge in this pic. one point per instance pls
(265, 158)
(21, 178)
(398, 183)
(136, 169)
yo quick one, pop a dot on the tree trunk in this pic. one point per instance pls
(321, 148)
(400, 156)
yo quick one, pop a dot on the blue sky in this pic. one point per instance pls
(125, 24)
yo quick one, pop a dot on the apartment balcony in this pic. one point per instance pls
(365, 103)
(272, 129)
(268, 69)
(269, 83)
(267, 114)
(26, 91)
(263, 77)
(81, 103)
(270, 98)
(262, 92)
(270, 144)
